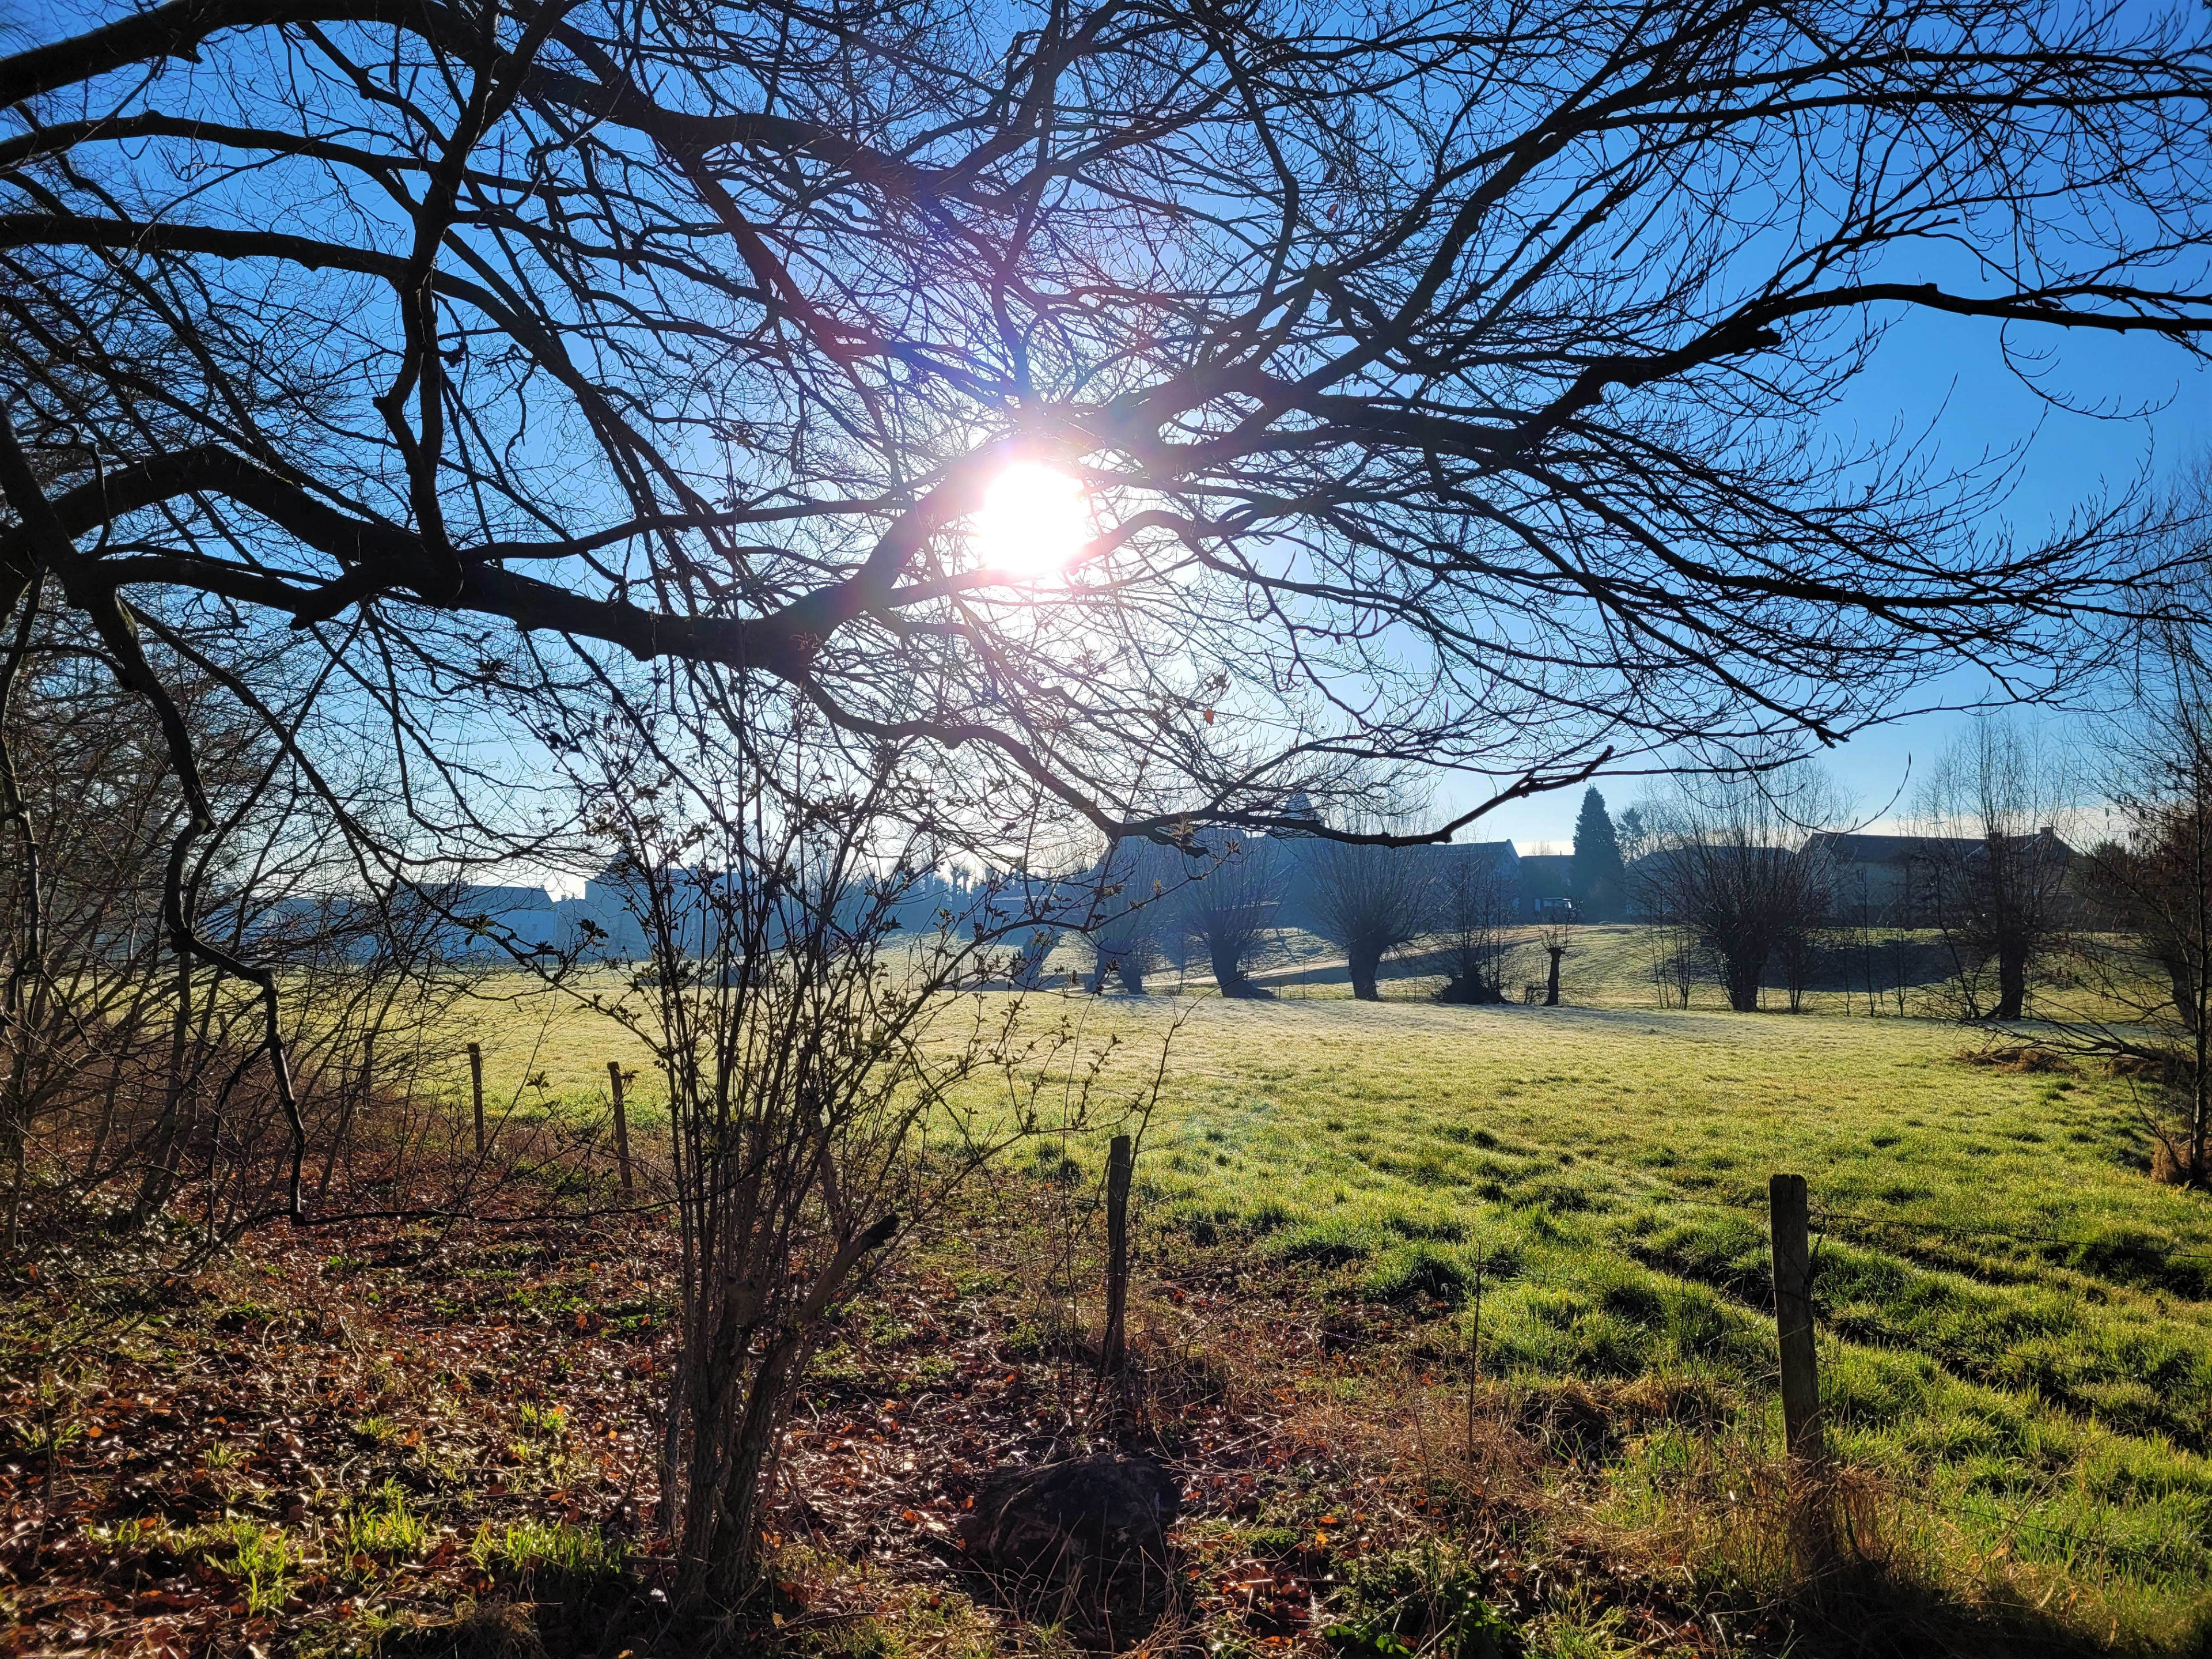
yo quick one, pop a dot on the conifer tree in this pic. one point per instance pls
(1596, 879)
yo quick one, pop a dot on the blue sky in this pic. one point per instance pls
(1953, 372)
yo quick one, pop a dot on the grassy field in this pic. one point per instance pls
(2016, 1336)
(2015, 1344)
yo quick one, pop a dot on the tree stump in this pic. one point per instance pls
(1081, 1543)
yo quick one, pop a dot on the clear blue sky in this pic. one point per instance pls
(1952, 371)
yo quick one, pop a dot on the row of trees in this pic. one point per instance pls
(1753, 873)
(1156, 904)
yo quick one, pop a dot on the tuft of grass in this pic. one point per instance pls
(541, 1549)
(382, 1526)
(1332, 1241)
(543, 1422)
(1417, 1273)
(260, 1557)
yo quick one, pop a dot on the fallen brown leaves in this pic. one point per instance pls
(333, 1436)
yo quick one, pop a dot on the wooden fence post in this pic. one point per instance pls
(1793, 1321)
(1120, 1158)
(476, 1091)
(1811, 1518)
(621, 1123)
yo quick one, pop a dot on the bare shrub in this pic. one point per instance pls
(815, 1055)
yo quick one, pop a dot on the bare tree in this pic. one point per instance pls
(1368, 900)
(129, 1077)
(1476, 909)
(1554, 937)
(1510, 372)
(1728, 869)
(1230, 906)
(2150, 954)
(1799, 945)
(2145, 949)
(1995, 876)
(1132, 907)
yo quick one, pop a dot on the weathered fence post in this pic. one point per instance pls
(1119, 1159)
(476, 1091)
(1812, 1531)
(621, 1123)
(1793, 1320)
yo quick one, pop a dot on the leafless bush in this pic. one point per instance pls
(139, 1073)
(815, 1054)
(1674, 962)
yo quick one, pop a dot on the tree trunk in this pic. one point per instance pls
(2200, 1131)
(1551, 982)
(169, 1132)
(1228, 973)
(2184, 993)
(1362, 966)
(2011, 982)
(1743, 975)
(1131, 975)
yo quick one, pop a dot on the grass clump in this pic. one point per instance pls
(543, 1422)
(259, 1558)
(532, 1549)
(383, 1528)
(1417, 1273)
(1332, 1241)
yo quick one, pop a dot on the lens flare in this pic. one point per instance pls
(1034, 520)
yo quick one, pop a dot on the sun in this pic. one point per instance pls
(1034, 521)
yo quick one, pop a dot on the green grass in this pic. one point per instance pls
(532, 1548)
(260, 1557)
(382, 1526)
(2016, 1324)
(2016, 1335)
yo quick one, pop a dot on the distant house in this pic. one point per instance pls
(1494, 860)
(488, 921)
(1891, 880)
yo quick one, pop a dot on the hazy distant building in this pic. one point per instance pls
(1892, 880)
(494, 921)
